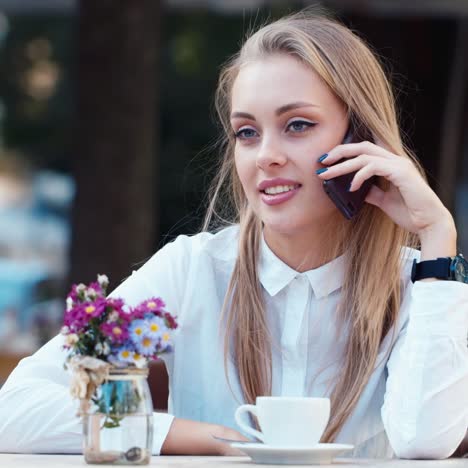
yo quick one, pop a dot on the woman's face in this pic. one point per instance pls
(284, 118)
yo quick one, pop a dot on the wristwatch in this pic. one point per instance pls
(445, 268)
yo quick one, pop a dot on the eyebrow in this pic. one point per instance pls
(278, 112)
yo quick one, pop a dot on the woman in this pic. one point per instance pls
(309, 303)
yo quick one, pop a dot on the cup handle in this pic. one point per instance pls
(245, 427)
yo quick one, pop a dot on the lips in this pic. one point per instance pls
(276, 182)
(280, 189)
(278, 198)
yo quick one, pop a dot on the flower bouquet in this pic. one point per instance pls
(110, 345)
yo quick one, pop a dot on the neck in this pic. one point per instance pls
(304, 250)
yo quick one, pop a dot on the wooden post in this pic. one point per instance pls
(453, 121)
(114, 158)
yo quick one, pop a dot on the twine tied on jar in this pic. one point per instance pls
(87, 374)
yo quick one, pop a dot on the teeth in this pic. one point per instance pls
(280, 189)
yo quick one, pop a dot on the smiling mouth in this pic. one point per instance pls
(279, 189)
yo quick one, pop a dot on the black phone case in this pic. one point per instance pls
(349, 203)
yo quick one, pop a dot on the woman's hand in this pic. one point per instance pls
(409, 202)
(226, 449)
(187, 437)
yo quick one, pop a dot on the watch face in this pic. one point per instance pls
(460, 270)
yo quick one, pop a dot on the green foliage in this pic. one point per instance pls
(36, 59)
(194, 44)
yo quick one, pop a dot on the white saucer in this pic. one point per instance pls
(320, 454)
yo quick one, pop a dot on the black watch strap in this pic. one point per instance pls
(439, 268)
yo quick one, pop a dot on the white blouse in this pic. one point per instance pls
(414, 405)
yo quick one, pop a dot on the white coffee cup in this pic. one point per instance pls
(287, 421)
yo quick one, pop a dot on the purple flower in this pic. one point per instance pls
(80, 315)
(96, 287)
(116, 303)
(153, 304)
(116, 332)
(95, 308)
(170, 321)
(125, 313)
(137, 313)
(113, 331)
(76, 319)
(149, 308)
(77, 292)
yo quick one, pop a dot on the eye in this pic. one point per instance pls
(245, 133)
(300, 126)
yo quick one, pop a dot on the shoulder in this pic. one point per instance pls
(221, 245)
(187, 250)
(167, 271)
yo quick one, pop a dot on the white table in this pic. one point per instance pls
(65, 461)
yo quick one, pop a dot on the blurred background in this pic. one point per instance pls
(107, 125)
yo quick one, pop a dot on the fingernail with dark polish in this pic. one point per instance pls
(322, 157)
(320, 171)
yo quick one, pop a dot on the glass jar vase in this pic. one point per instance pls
(118, 426)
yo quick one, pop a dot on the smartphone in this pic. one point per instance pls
(349, 203)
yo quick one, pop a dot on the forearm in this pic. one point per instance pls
(37, 413)
(425, 409)
(39, 417)
(442, 242)
(439, 241)
(188, 437)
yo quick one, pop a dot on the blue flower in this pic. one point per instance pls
(155, 327)
(147, 345)
(125, 354)
(137, 330)
(165, 343)
(139, 360)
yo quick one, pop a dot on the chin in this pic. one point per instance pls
(285, 227)
(290, 225)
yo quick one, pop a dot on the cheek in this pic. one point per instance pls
(317, 192)
(314, 197)
(245, 171)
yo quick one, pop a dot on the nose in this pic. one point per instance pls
(270, 154)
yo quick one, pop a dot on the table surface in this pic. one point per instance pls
(64, 461)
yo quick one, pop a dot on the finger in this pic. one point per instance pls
(375, 196)
(351, 150)
(361, 176)
(345, 167)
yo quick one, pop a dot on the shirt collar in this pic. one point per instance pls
(274, 274)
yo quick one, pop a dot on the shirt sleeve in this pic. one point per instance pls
(425, 410)
(37, 413)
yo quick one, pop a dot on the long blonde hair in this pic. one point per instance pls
(371, 292)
